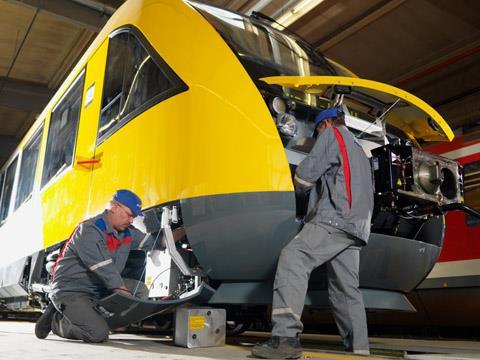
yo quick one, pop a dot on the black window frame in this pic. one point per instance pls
(4, 216)
(2, 178)
(81, 77)
(37, 137)
(178, 85)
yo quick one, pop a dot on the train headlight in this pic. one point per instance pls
(449, 185)
(278, 105)
(429, 176)
(287, 124)
(436, 176)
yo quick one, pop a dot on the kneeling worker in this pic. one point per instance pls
(337, 225)
(89, 267)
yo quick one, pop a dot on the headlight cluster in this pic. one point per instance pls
(286, 122)
(405, 176)
(429, 176)
(278, 105)
(437, 176)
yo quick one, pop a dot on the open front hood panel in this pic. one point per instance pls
(413, 116)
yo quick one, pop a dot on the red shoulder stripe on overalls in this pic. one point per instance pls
(62, 252)
(346, 165)
(112, 242)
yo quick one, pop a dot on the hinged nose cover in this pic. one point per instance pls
(411, 115)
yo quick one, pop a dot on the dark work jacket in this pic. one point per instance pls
(345, 204)
(95, 255)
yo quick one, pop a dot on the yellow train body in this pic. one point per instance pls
(181, 148)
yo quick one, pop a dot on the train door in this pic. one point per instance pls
(69, 154)
(132, 119)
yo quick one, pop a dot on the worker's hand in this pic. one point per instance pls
(302, 186)
(122, 290)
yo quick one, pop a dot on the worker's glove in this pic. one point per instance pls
(123, 290)
(302, 186)
(302, 191)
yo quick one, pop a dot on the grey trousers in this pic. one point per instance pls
(77, 317)
(312, 247)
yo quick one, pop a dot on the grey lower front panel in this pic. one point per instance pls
(389, 263)
(396, 263)
(238, 237)
(254, 293)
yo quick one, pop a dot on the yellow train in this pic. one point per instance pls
(200, 108)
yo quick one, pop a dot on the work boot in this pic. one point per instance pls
(279, 347)
(44, 322)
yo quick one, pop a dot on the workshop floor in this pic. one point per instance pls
(17, 341)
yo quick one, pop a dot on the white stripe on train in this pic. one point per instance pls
(460, 153)
(455, 268)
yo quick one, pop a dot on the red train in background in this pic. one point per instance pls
(460, 256)
(458, 268)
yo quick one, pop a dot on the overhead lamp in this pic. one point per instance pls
(296, 12)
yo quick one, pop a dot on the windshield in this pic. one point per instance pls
(263, 50)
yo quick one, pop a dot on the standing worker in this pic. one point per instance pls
(336, 226)
(89, 267)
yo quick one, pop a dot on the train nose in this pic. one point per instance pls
(400, 262)
(238, 237)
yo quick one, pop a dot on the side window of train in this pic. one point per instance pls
(472, 190)
(62, 133)
(2, 177)
(8, 189)
(136, 78)
(28, 166)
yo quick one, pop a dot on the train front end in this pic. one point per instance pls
(237, 238)
(244, 125)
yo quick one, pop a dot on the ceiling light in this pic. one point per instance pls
(297, 11)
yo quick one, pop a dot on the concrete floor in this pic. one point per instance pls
(17, 341)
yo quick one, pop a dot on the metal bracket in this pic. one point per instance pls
(338, 101)
(170, 216)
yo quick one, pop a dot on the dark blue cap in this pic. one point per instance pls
(130, 200)
(326, 114)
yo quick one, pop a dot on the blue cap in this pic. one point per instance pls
(130, 200)
(326, 114)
